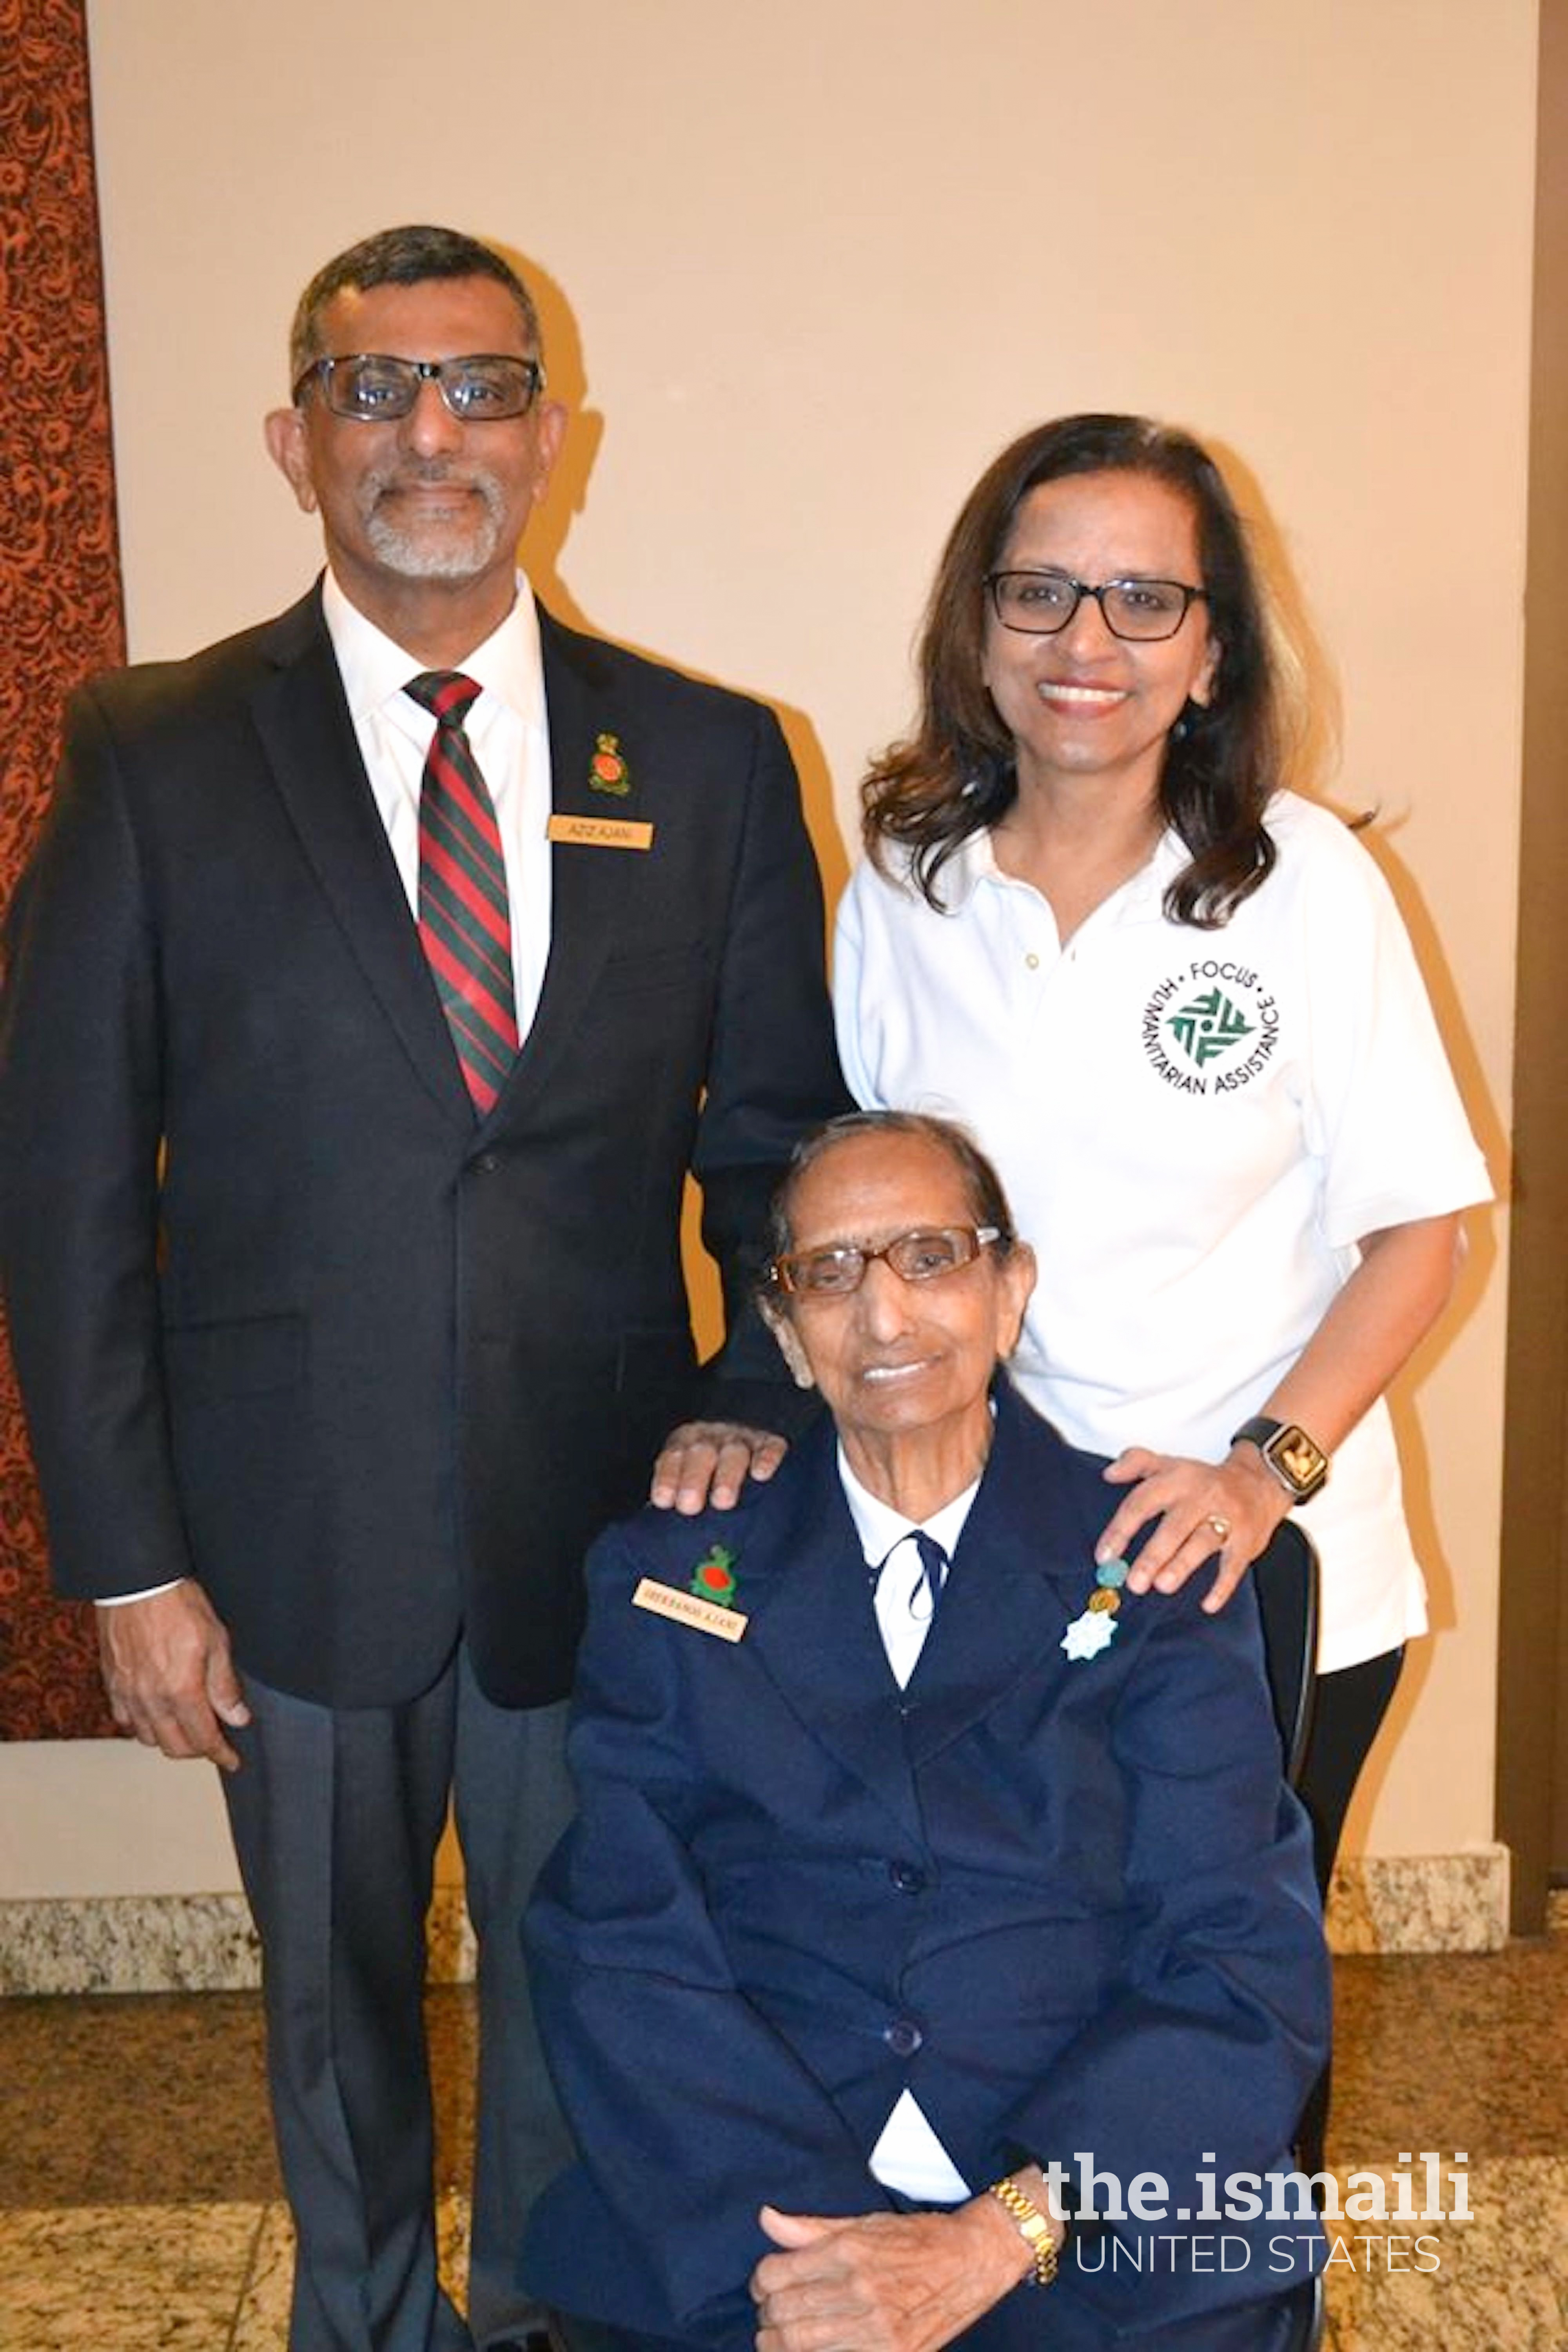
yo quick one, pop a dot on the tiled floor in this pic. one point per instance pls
(138, 2194)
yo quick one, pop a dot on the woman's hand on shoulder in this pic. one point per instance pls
(1200, 1510)
(706, 1464)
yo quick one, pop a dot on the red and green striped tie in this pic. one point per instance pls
(464, 925)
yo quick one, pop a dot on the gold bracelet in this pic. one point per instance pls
(1031, 2223)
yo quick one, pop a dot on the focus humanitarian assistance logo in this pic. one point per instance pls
(1211, 1027)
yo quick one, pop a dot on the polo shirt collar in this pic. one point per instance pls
(1140, 898)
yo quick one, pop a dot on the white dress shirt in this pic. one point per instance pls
(908, 2156)
(509, 731)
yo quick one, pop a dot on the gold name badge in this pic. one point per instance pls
(687, 1609)
(601, 832)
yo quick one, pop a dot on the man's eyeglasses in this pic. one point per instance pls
(1041, 604)
(838, 1271)
(483, 388)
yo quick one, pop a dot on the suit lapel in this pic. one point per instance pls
(816, 1635)
(303, 721)
(1024, 1569)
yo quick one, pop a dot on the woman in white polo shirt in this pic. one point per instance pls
(1177, 1006)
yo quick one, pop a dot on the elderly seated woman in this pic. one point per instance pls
(921, 1871)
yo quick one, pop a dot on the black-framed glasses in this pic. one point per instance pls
(1041, 604)
(837, 1271)
(483, 387)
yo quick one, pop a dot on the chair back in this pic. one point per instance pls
(1300, 2320)
(1285, 1579)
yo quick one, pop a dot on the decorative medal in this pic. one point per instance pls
(713, 1578)
(1095, 1630)
(607, 770)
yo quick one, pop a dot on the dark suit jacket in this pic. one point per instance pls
(365, 1366)
(1068, 1905)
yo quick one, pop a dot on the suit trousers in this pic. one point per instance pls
(336, 1816)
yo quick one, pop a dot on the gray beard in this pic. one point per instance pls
(450, 554)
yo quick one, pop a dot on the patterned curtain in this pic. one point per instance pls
(60, 617)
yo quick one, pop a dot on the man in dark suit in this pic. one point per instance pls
(916, 1854)
(380, 976)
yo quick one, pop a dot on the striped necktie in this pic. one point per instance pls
(464, 925)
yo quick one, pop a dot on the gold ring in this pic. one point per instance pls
(1221, 1526)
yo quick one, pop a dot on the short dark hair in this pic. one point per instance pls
(986, 1200)
(955, 774)
(403, 256)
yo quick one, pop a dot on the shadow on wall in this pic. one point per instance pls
(1313, 769)
(1311, 680)
(568, 377)
(568, 374)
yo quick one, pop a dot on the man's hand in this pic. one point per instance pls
(1229, 1507)
(883, 2282)
(170, 1674)
(709, 1462)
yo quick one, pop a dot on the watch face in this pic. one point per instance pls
(1302, 1462)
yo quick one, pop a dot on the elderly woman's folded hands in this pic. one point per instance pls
(884, 2282)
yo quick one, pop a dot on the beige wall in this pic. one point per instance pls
(821, 261)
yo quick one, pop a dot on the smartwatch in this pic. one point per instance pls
(1296, 1461)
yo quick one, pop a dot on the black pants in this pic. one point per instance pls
(1347, 1716)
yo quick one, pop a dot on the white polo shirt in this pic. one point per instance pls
(1194, 1129)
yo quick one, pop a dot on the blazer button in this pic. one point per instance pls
(903, 2037)
(906, 1877)
(486, 1165)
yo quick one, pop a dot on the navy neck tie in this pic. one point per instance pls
(933, 1562)
(465, 926)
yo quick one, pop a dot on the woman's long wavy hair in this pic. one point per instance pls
(957, 771)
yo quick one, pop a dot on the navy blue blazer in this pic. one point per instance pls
(1068, 1903)
(287, 1318)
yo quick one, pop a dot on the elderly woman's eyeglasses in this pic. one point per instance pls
(838, 1271)
(377, 389)
(1041, 604)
